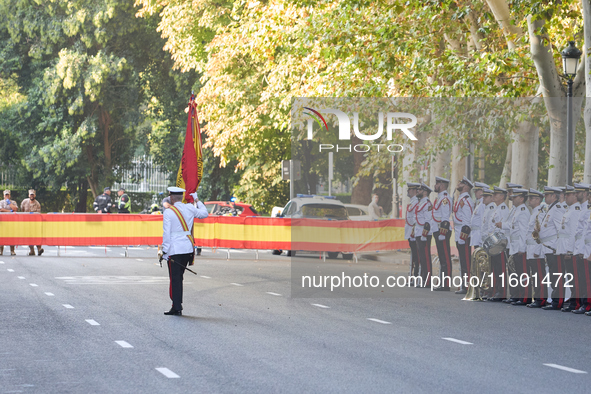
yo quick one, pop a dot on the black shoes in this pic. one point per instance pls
(551, 307)
(580, 311)
(520, 302)
(568, 308)
(535, 304)
(441, 288)
(174, 312)
(510, 300)
(494, 299)
(40, 252)
(461, 291)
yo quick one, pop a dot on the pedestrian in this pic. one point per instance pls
(31, 204)
(8, 205)
(124, 203)
(375, 211)
(178, 242)
(102, 203)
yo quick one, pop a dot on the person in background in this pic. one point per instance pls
(8, 205)
(124, 203)
(32, 205)
(154, 210)
(375, 211)
(102, 203)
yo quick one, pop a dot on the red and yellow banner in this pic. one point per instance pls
(214, 231)
(191, 168)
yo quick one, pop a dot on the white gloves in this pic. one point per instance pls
(194, 195)
(441, 237)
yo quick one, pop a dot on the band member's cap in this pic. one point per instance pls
(467, 182)
(32, 191)
(413, 185)
(581, 187)
(569, 189)
(6, 192)
(514, 185)
(175, 190)
(427, 188)
(499, 190)
(550, 189)
(487, 192)
(535, 193)
(440, 179)
(480, 186)
(518, 192)
(106, 188)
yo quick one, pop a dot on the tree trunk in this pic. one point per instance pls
(104, 125)
(587, 115)
(441, 166)
(524, 161)
(384, 191)
(506, 175)
(361, 193)
(500, 10)
(82, 197)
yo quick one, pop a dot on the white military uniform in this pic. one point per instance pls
(423, 215)
(550, 223)
(411, 219)
(487, 225)
(518, 229)
(441, 211)
(568, 227)
(500, 214)
(174, 237)
(476, 223)
(581, 229)
(587, 237)
(462, 215)
(534, 250)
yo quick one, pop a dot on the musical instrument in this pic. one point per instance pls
(480, 268)
(495, 243)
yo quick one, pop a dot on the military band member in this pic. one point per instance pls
(423, 232)
(409, 227)
(579, 265)
(499, 261)
(487, 227)
(587, 254)
(462, 216)
(549, 239)
(478, 215)
(565, 245)
(535, 254)
(441, 230)
(517, 227)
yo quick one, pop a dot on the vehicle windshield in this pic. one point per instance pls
(324, 211)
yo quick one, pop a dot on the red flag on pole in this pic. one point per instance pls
(191, 168)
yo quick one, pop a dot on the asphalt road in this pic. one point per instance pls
(90, 321)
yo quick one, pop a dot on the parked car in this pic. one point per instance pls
(229, 208)
(357, 212)
(316, 207)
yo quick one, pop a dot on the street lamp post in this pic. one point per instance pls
(570, 62)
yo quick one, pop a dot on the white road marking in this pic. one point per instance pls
(458, 341)
(9, 270)
(275, 294)
(122, 254)
(34, 285)
(139, 260)
(68, 306)
(1, 262)
(321, 306)
(123, 344)
(378, 320)
(567, 369)
(49, 294)
(206, 277)
(92, 322)
(167, 372)
(236, 284)
(21, 277)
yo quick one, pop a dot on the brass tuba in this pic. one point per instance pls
(480, 268)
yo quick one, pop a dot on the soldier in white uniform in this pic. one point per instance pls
(587, 253)
(423, 232)
(499, 261)
(517, 226)
(462, 216)
(409, 227)
(548, 239)
(478, 215)
(580, 266)
(177, 245)
(565, 245)
(441, 230)
(535, 254)
(487, 227)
